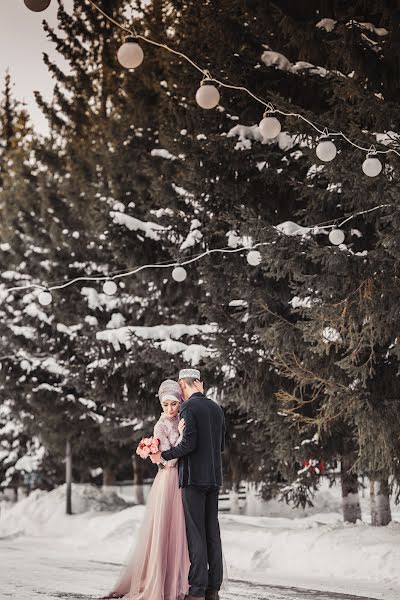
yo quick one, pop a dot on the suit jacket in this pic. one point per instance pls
(203, 442)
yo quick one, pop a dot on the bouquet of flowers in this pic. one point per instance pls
(148, 446)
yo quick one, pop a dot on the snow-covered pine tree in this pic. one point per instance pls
(213, 188)
(17, 198)
(101, 208)
(335, 339)
(334, 69)
(53, 346)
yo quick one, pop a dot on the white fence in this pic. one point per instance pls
(244, 502)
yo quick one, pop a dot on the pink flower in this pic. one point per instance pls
(148, 446)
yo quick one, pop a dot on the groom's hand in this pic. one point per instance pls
(199, 385)
(155, 458)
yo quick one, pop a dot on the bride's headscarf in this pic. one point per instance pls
(170, 390)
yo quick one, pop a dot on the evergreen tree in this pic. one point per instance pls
(135, 172)
(345, 85)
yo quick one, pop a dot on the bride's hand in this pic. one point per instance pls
(181, 426)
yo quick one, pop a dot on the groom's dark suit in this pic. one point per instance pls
(200, 477)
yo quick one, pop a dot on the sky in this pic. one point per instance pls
(22, 42)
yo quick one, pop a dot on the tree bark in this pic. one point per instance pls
(138, 479)
(350, 497)
(372, 503)
(234, 500)
(68, 476)
(381, 493)
(234, 492)
(108, 476)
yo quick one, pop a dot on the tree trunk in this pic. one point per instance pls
(372, 503)
(234, 492)
(381, 494)
(350, 498)
(234, 500)
(68, 476)
(108, 476)
(138, 479)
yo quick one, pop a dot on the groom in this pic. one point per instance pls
(200, 477)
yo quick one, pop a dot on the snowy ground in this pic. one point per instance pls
(45, 554)
(51, 570)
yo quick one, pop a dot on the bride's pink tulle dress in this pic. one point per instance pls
(159, 566)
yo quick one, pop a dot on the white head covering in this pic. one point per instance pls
(170, 390)
(191, 373)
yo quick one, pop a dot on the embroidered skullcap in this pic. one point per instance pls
(189, 373)
(170, 390)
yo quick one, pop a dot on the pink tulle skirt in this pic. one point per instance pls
(158, 568)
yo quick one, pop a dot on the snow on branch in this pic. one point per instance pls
(191, 353)
(29, 363)
(280, 62)
(31, 461)
(157, 333)
(151, 230)
(98, 300)
(327, 24)
(162, 153)
(251, 133)
(194, 236)
(381, 31)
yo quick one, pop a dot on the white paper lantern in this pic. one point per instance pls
(130, 55)
(269, 127)
(336, 237)
(372, 166)
(45, 298)
(179, 274)
(37, 5)
(326, 150)
(254, 258)
(109, 288)
(207, 96)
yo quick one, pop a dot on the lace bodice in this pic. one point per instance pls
(166, 430)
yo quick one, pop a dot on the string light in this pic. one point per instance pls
(372, 166)
(130, 55)
(45, 298)
(37, 5)
(45, 290)
(326, 149)
(207, 96)
(336, 237)
(269, 125)
(223, 84)
(254, 258)
(110, 288)
(179, 274)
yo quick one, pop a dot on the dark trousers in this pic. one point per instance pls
(204, 539)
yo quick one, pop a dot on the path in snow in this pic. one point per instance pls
(48, 569)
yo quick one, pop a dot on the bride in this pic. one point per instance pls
(159, 566)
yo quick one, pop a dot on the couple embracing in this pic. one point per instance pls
(178, 552)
